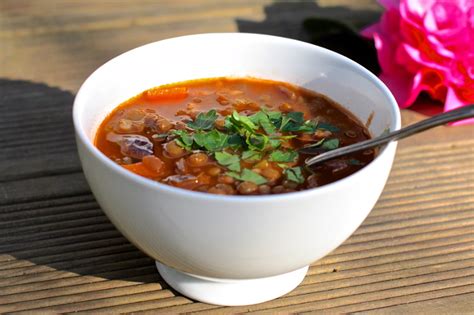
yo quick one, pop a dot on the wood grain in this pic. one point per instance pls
(59, 253)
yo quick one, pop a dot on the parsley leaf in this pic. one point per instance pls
(204, 121)
(328, 127)
(248, 176)
(283, 156)
(231, 161)
(256, 141)
(294, 174)
(274, 117)
(309, 126)
(184, 139)
(292, 121)
(260, 118)
(317, 144)
(330, 144)
(212, 141)
(240, 122)
(251, 156)
(274, 143)
(235, 141)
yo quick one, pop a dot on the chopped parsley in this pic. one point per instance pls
(240, 123)
(283, 156)
(330, 144)
(328, 127)
(256, 141)
(261, 119)
(212, 141)
(251, 139)
(294, 174)
(248, 176)
(204, 121)
(231, 161)
(184, 139)
(251, 156)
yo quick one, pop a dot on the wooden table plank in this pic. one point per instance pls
(59, 253)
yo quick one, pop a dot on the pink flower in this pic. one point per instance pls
(427, 45)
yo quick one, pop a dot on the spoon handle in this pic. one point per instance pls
(454, 115)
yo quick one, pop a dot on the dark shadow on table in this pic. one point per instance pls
(48, 216)
(287, 19)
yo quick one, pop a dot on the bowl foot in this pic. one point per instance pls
(230, 292)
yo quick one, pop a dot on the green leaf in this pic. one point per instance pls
(292, 121)
(241, 122)
(275, 143)
(200, 138)
(184, 139)
(251, 156)
(256, 141)
(274, 117)
(283, 165)
(294, 174)
(283, 156)
(317, 144)
(212, 141)
(235, 141)
(328, 127)
(204, 121)
(248, 176)
(330, 144)
(260, 118)
(231, 161)
(309, 126)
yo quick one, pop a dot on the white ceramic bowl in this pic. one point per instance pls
(233, 250)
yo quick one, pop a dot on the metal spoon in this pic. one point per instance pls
(454, 115)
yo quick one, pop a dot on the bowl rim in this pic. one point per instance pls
(181, 192)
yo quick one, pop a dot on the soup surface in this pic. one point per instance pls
(232, 136)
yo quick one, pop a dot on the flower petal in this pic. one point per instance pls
(401, 88)
(453, 102)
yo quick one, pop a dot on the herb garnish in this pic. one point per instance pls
(283, 156)
(184, 139)
(248, 176)
(212, 141)
(330, 144)
(261, 118)
(231, 161)
(251, 139)
(328, 127)
(204, 121)
(251, 156)
(294, 174)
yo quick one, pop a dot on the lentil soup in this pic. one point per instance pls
(232, 136)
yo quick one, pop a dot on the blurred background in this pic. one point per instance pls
(60, 42)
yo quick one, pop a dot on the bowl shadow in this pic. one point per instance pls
(49, 219)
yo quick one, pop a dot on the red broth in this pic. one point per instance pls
(232, 136)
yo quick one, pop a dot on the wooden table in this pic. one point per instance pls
(59, 253)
